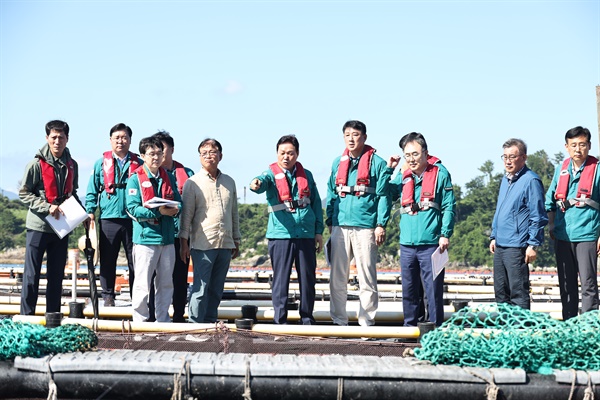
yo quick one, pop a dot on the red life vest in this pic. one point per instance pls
(584, 188)
(284, 190)
(427, 188)
(180, 175)
(51, 185)
(108, 167)
(362, 177)
(147, 189)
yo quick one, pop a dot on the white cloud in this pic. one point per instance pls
(233, 87)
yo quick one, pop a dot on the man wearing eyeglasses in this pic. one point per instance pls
(209, 231)
(427, 222)
(153, 231)
(572, 202)
(106, 192)
(358, 209)
(180, 270)
(518, 226)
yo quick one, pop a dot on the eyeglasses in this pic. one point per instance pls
(211, 153)
(154, 155)
(581, 145)
(413, 155)
(511, 157)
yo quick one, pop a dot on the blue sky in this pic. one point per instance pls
(466, 74)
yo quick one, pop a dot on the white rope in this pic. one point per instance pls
(491, 390)
(247, 392)
(52, 389)
(340, 389)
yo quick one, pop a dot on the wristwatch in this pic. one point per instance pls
(534, 248)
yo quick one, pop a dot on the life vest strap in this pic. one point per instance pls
(354, 189)
(420, 206)
(152, 221)
(290, 205)
(577, 202)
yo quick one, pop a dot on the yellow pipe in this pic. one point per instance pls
(300, 330)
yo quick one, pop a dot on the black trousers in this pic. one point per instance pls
(38, 243)
(114, 232)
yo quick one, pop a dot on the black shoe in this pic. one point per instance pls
(179, 319)
(109, 302)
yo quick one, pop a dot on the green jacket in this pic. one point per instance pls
(367, 210)
(576, 224)
(426, 227)
(304, 223)
(32, 191)
(150, 227)
(111, 205)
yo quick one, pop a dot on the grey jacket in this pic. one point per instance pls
(32, 191)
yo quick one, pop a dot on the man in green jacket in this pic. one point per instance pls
(573, 206)
(358, 209)
(426, 223)
(49, 180)
(106, 191)
(153, 231)
(295, 227)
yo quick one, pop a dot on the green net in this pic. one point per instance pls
(505, 336)
(29, 340)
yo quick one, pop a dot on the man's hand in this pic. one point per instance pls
(168, 211)
(393, 161)
(551, 230)
(444, 243)
(55, 211)
(379, 235)
(598, 247)
(530, 255)
(184, 250)
(319, 243)
(255, 184)
(235, 252)
(493, 246)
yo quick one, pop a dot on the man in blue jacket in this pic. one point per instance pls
(518, 226)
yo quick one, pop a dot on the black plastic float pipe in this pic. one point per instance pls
(15, 384)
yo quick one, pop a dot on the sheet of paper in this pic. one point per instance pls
(159, 201)
(74, 214)
(438, 261)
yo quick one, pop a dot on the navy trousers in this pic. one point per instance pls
(301, 253)
(511, 276)
(38, 243)
(114, 232)
(415, 264)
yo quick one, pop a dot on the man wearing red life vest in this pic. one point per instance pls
(180, 269)
(426, 223)
(153, 231)
(572, 202)
(295, 227)
(49, 180)
(358, 208)
(106, 192)
(518, 226)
